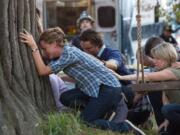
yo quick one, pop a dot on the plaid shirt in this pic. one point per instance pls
(89, 72)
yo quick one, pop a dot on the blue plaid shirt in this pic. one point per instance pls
(89, 72)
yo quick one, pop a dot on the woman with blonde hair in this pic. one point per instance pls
(164, 56)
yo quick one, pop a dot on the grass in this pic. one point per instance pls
(62, 124)
(70, 124)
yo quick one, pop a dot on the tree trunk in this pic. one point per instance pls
(24, 96)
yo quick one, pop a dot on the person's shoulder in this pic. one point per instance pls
(173, 68)
(111, 52)
(109, 49)
(114, 51)
(72, 50)
(69, 47)
(175, 71)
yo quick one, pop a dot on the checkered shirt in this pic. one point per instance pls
(88, 72)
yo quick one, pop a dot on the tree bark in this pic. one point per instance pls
(24, 96)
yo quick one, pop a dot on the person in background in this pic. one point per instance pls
(154, 97)
(140, 113)
(164, 56)
(167, 35)
(171, 113)
(84, 22)
(92, 43)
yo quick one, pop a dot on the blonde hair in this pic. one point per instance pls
(165, 51)
(53, 35)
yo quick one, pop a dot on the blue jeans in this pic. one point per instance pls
(96, 108)
(172, 113)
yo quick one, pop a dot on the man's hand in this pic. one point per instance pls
(164, 125)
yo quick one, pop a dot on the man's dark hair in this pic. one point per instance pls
(92, 36)
(150, 43)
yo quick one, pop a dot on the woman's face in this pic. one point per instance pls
(160, 64)
(50, 51)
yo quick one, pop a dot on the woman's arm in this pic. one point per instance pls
(163, 75)
(40, 65)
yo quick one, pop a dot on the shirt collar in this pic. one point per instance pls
(101, 51)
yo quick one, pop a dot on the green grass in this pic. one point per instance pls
(62, 124)
(70, 124)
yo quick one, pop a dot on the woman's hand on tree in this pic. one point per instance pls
(28, 39)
